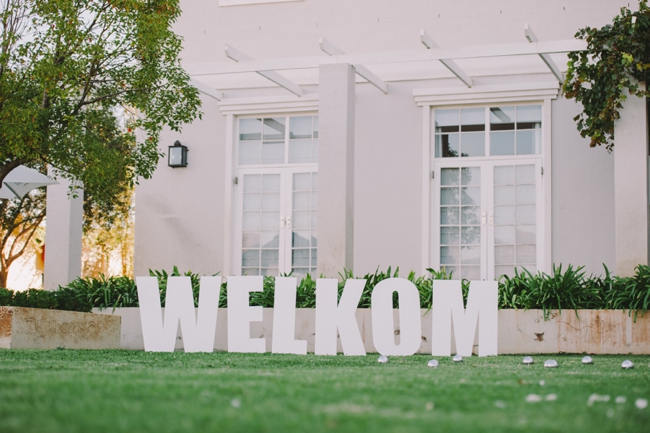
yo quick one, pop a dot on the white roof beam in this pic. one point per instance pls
(270, 75)
(388, 57)
(332, 50)
(206, 90)
(528, 32)
(448, 63)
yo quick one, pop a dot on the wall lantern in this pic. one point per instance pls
(177, 155)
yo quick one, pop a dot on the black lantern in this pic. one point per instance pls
(177, 155)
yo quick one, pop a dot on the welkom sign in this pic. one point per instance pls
(333, 318)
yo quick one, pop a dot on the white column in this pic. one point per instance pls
(64, 219)
(631, 186)
(335, 168)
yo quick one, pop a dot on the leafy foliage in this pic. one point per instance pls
(617, 58)
(73, 75)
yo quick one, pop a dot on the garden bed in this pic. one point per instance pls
(520, 331)
(37, 328)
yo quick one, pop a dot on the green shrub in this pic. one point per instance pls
(6, 296)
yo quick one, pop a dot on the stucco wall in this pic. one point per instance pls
(582, 194)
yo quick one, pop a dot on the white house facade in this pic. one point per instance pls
(362, 134)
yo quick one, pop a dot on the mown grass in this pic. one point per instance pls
(121, 391)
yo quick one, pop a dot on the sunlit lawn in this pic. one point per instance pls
(122, 391)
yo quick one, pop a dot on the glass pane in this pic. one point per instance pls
(502, 143)
(471, 272)
(525, 194)
(502, 118)
(300, 257)
(251, 240)
(470, 195)
(471, 176)
(300, 127)
(450, 145)
(526, 234)
(472, 119)
(251, 221)
(438, 144)
(470, 214)
(269, 239)
(526, 254)
(504, 175)
(446, 120)
(525, 174)
(271, 202)
(302, 182)
(504, 195)
(449, 195)
(314, 258)
(301, 220)
(473, 144)
(526, 215)
(302, 200)
(449, 255)
(504, 215)
(273, 129)
(504, 254)
(269, 258)
(250, 129)
(529, 113)
(471, 236)
(271, 183)
(449, 176)
(272, 153)
(301, 151)
(250, 258)
(271, 221)
(449, 236)
(252, 202)
(269, 272)
(449, 215)
(503, 270)
(504, 235)
(300, 239)
(526, 142)
(250, 152)
(315, 119)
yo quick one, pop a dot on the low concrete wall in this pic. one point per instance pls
(37, 328)
(520, 331)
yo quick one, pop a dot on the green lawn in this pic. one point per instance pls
(120, 391)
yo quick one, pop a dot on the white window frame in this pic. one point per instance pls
(235, 191)
(430, 222)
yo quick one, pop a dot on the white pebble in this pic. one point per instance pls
(551, 397)
(383, 359)
(641, 403)
(236, 403)
(533, 398)
(593, 398)
(620, 399)
(500, 404)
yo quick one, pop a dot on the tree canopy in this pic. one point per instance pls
(78, 78)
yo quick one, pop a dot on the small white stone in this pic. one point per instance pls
(597, 398)
(527, 360)
(551, 397)
(383, 359)
(429, 406)
(620, 399)
(627, 364)
(236, 403)
(433, 363)
(587, 360)
(542, 382)
(533, 398)
(500, 404)
(550, 363)
(641, 403)
(457, 358)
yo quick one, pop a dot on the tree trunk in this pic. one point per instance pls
(3, 277)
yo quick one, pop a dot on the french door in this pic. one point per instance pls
(486, 216)
(277, 220)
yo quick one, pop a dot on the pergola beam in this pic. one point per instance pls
(270, 75)
(332, 50)
(206, 90)
(530, 36)
(448, 63)
(388, 57)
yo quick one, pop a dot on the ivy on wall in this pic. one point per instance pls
(616, 61)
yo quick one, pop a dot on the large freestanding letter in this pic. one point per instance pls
(241, 314)
(331, 317)
(383, 328)
(284, 318)
(198, 333)
(482, 306)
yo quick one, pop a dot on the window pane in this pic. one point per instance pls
(470, 176)
(525, 174)
(250, 152)
(449, 255)
(470, 215)
(504, 235)
(526, 234)
(471, 235)
(300, 257)
(273, 129)
(504, 175)
(446, 120)
(272, 153)
(250, 129)
(529, 114)
(301, 151)
(526, 254)
(449, 236)
(449, 195)
(449, 176)
(300, 127)
(450, 145)
(470, 195)
(300, 239)
(449, 215)
(472, 119)
(526, 194)
(473, 144)
(502, 118)
(526, 142)
(502, 143)
(252, 183)
(470, 255)
(504, 195)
